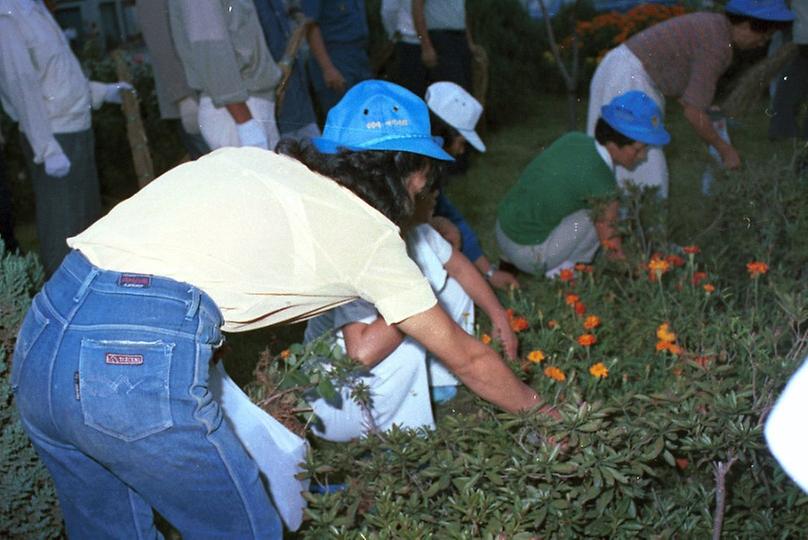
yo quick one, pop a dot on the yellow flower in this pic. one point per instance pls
(658, 265)
(599, 370)
(486, 339)
(664, 333)
(555, 373)
(536, 356)
(593, 321)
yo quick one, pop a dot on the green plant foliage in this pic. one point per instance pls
(28, 505)
(693, 360)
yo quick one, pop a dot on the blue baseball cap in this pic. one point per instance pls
(637, 116)
(767, 10)
(379, 115)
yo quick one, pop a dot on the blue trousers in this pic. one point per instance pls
(110, 377)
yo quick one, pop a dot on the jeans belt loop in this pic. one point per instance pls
(86, 285)
(194, 304)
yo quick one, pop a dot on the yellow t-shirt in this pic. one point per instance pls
(266, 238)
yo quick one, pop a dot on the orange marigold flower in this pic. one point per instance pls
(518, 324)
(675, 260)
(486, 339)
(599, 370)
(691, 250)
(702, 361)
(675, 349)
(662, 346)
(536, 356)
(658, 265)
(580, 308)
(756, 268)
(664, 333)
(709, 288)
(285, 354)
(592, 321)
(571, 299)
(552, 324)
(698, 277)
(587, 340)
(555, 373)
(584, 268)
(566, 275)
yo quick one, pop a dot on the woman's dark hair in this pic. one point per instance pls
(378, 177)
(760, 26)
(441, 129)
(605, 133)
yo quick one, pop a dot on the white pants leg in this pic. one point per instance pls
(621, 71)
(573, 240)
(399, 387)
(785, 428)
(460, 307)
(219, 129)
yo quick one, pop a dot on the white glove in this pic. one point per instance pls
(57, 165)
(112, 92)
(250, 133)
(189, 115)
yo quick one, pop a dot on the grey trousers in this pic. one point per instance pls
(64, 206)
(573, 240)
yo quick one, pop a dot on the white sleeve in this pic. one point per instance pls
(430, 252)
(20, 87)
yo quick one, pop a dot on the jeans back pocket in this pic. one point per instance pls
(124, 387)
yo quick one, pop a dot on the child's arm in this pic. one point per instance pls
(461, 269)
(371, 343)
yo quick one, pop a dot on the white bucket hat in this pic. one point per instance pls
(457, 108)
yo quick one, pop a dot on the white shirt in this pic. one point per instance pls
(397, 17)
(41, 83)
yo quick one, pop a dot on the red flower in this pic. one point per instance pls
(580, 308)
(566, 275)
(675, 260)
(691, 250)
(698, 277)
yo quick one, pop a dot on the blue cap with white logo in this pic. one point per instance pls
(636, 116)
(767, 10)
(379, 115)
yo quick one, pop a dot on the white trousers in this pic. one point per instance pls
(785, 428)
(573, 240)
(618, 72)
(399, 389)
(219, 129)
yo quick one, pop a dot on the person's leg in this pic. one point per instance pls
(115, 376)
(399, 389)
(64, 206)
(788, 97)
(410, 70)
(454, 58)
(527, 258)
(6, 208)
(573, 240)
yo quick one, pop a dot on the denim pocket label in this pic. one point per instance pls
(117, 359)
(134, 281)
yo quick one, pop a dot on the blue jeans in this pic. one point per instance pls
(110, 377)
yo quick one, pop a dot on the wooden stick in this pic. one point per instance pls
(288, 61)
(138, 142)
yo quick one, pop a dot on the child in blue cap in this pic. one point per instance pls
(111, 370)
(399, 380)
(546, 221)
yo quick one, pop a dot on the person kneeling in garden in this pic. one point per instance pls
(111, 365)
(565, 204)
(402, 373)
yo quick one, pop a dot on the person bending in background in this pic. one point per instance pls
(565, 204)
(683, 58)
